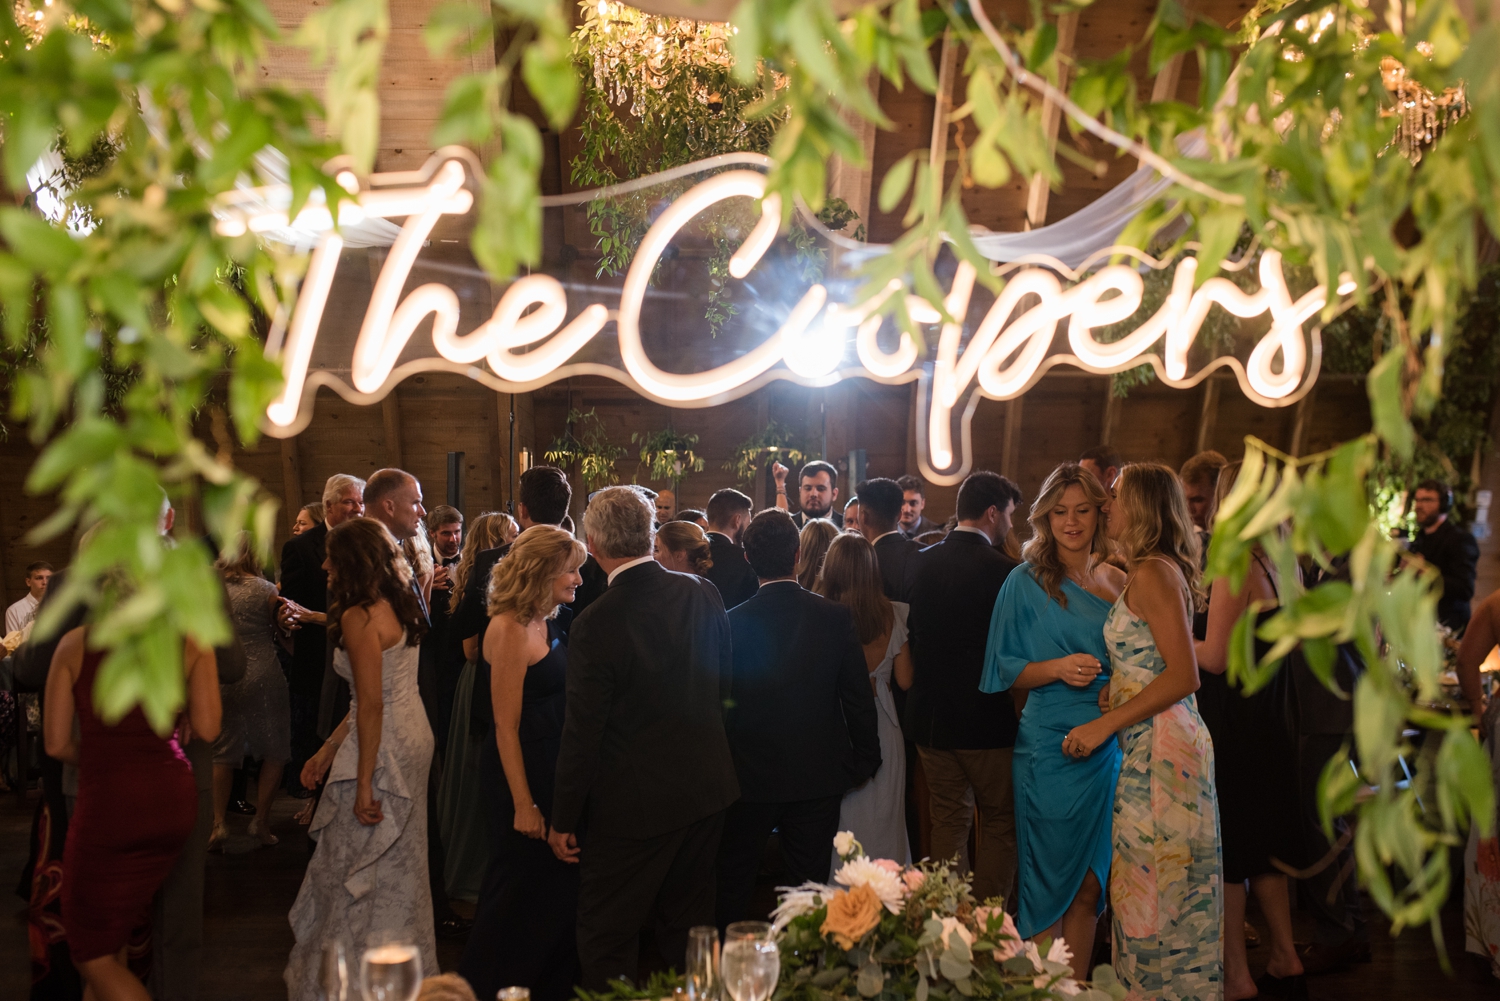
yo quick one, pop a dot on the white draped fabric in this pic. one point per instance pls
(1094, 227)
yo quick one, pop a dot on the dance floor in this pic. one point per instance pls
(249, 892)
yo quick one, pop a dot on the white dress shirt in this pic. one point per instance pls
(626, 566)
(976, 531)
(22, 612)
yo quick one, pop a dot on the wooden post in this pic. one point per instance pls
(942, 106)
(1010, 454)
(1111, 411)
(1208, 419)
(1300, 417)
(1039, 193)
(853, 181)
(390, 412)
(291, 479)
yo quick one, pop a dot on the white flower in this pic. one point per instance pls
(844, 843)
(951, 925)
(1058, 953)
(797, 901)
(888, 885)
(1031, 953)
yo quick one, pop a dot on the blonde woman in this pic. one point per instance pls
(683, 547)
(523, 927)
(1047, 641)
(812, 546)
(1166, 876)
(875, 810)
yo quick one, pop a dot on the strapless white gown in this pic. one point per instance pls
(368, 882)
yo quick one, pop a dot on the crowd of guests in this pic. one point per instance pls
(593, 734)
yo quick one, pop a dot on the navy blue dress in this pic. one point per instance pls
(523, 934)
(1064, 805)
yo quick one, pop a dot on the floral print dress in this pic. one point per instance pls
(1482, 864)
(1166, 877)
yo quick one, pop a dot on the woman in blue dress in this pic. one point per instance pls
(1047, 642)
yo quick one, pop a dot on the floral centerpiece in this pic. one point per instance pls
(893, 932)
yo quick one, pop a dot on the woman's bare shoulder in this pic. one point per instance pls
(1112, 574)
(69, 651)
(1159, 577)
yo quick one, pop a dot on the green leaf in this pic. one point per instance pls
(1465, 786)
(457, 21)
(1384, 388)
(28, 134)
(897, 180)
(1218, 231)
(44, 247)
(547, 67)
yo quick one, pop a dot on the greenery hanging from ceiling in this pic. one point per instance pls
(660, 92)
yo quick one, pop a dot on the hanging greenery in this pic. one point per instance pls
(775, 441)
(585, 442)
(668, 454)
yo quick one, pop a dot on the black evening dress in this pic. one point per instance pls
(1255, 769)
(523, 934)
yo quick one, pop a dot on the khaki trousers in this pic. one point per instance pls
(957, 781)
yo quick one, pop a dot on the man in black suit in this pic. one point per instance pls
(914, 523)
(304, 606)
(1448, 548)
(442, 661)
(644, 773)
(879, 522)
(801, 720)
(817, 492)
(963, 736)
(728, 514)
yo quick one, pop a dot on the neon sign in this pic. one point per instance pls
(815, 332)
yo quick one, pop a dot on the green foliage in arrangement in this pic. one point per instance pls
(585, 442)
(1300, 133)
(668, 454)
(774, 441)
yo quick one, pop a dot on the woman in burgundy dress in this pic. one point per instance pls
(137, 804)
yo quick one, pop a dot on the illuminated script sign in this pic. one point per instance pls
(717, 300)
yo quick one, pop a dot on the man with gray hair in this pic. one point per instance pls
(304, 604)
(644, 774)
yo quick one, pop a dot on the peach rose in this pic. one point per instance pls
(888, 865)
(851, 916)
(913, 878)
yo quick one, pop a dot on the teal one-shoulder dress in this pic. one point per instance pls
(1063, 805)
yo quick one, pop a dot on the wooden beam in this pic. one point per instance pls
(1208, 418)
(1010, 454)
(390, 413)
(1039, 193)
(1300, 418)
(291, 479)
(1111, 412)
(943, 106)
(853, 181)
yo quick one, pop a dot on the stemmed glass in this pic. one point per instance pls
(751, 962)
(391, 971)
(702, 977)
(333, 973)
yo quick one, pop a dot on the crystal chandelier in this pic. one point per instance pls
(1422, 115)
(632, 51)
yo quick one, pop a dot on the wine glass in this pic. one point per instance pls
(333, 973)
(751, 961)
(702, 976)
(391, 971)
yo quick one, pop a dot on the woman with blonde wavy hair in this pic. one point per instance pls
(523, 932)
(813, 545)
(1166, 876)
(1047, 642)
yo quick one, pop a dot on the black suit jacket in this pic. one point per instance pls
(304, 581)
(953, 595)
(1455, 554)
(643, 746)
(802, 518)
(595, 580)
(801, 716)
(898, 565)
(731, 572)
